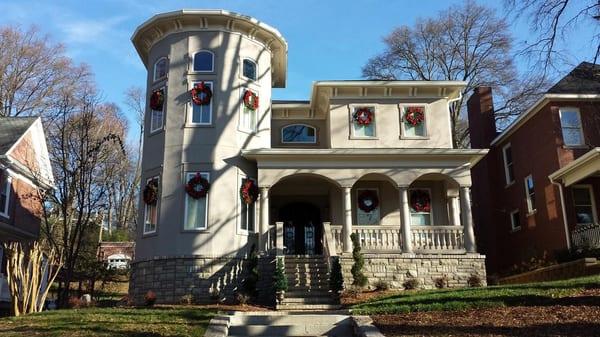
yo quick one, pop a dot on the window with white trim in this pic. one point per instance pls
(420, 206)
(204, 61)
(570, 123)
(151, 210)
(157, 116)
(196, 210)
(583, 201)
(368, 206)
(298, 133)
(248, 115)
(247, 212)
(530, 193)
(515, 220)
(202, 114)
(160, 69)
(412, 125)
(5, 184)
(363, 130)
(509, 174)
(249, 69)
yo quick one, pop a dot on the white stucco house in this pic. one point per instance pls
(228, 170)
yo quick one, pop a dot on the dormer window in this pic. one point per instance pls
(160, 69)
(249, 69)
(204, 61)
(298, 133)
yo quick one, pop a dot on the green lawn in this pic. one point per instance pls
(113, 322)
(540, 294)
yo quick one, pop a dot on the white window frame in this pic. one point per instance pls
(162, 112)
(403, 122)
(353, 109)
(431, 217)
(212, 69)
(7, 191)
(512, 220)
(255, 67)
(242, 127)
(590, 189)
(239, 204)
(211, 105)
(506, 168)
(358, 190)
(146, 208)
(189, 175)
(578, 112)
(301, 124)
(156, 79)
(530, 205)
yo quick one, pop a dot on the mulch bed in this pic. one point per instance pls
(578, 316)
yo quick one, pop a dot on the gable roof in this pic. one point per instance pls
(583, 79)
(12, 129)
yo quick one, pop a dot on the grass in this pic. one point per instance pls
(539, 294)
(114, 322)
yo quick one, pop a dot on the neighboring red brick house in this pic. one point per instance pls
(536, 192)
(116, 254)
(24, 168)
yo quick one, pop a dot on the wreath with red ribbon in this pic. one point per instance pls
(363, 116)
(197, 187)
(250, 100)
(157, 99)
(368, 201)
(249, 191)
(201, 94)
(414, 115)
(420, 201)
(151, 192)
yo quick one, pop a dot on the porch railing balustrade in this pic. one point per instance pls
(436, 238)
(586, 236)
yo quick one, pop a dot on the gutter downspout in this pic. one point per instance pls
(460, 96)
(563, 209)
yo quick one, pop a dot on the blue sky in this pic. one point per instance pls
(327, 39)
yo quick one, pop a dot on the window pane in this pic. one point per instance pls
(572, 136)
(569, 119)
(516, 220)
(3, 195)
(157, 119)
(244, 216)
(251, 209)
(203, 61)
(581, 196)
(420, 219)
(511, 175)
(364, 130)
(508, 155)
(414, 131)
(249, 69)
(298, 134)
(529, 185)
(196, 213)
(584, 214)
(201, 113)
(160, 69)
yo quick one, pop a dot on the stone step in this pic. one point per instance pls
(309, 293)
(307, 307)
(240, 318)
(308, 300)
(307, 287)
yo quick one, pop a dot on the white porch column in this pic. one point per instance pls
(454, 215)
(347, 229)
(264, 220)
(405, 220)
(467, 219)
(279, 238)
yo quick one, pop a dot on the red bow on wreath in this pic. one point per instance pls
(201, 94)
(363, 116)
(197, 187)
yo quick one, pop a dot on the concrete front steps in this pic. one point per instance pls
(266, 324)
(308, 284)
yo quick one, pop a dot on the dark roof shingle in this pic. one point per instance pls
(11, 129)
(583, 79)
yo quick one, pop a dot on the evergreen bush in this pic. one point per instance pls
(336, 279)
(359, 279)
(280, 281)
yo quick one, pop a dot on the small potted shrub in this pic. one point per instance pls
(281, 285)
(150, 298)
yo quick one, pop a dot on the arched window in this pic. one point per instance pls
(298, 133)
(249, 69)
(203, 61)
(160, 68)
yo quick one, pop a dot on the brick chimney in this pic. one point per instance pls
(482, 125)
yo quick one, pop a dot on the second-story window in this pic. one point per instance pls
(249, 113)
(570, 123)
(298, 133)
(160, 69)
(515, 220)
(363, 122)
(530, 194)
(5, 183)
(509, 175)
(413, 122)
(202, 114)
(157, 109)
(204, 61)
(249, 69)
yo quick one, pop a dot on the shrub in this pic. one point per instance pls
(249, 284)
(336, 278)
(242, 298)
(280, 281)
(74, 302)
(150, 298)
(410, 284)
(351, 292)
(441, 282)
(474, 281)
(186, 299)
(359, 279)
(381, 285)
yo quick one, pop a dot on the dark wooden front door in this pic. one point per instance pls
(302, 231)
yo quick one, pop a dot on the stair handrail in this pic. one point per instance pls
(328, 243)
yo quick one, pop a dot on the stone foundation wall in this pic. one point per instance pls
(206, 279)
(396, 268)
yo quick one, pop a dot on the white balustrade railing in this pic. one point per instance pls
(586, 236)
(437, 238)
(372, 238)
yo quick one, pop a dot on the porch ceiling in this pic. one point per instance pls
(583, 167)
